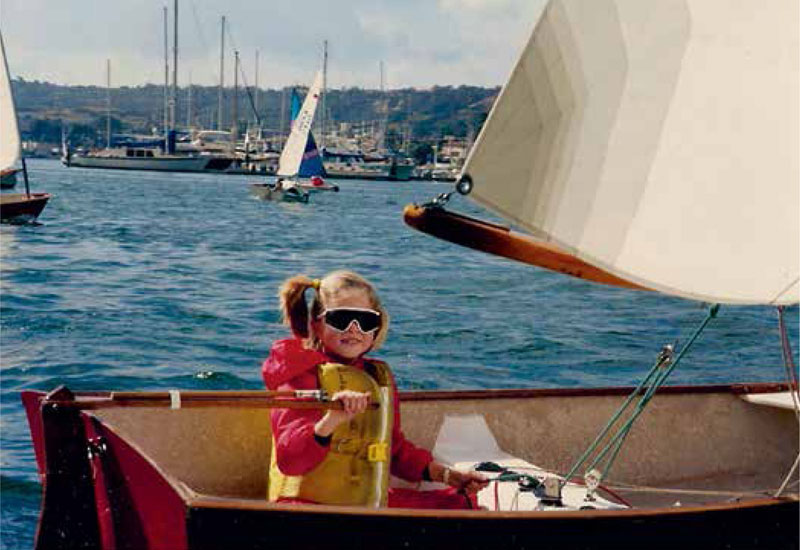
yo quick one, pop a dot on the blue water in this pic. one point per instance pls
(140, 280)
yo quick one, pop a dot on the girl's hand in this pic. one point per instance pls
(467, 482)
(353, 402)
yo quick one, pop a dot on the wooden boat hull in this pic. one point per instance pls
(117, 475)
(212, 525)
(22, 208)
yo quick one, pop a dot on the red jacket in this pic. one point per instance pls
(292, 367)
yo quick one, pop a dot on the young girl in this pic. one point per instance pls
(324, 457)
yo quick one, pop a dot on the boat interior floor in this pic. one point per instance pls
(726, 450)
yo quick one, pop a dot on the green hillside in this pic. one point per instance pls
(415, 115)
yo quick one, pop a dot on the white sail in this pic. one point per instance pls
(10, 147)
(292, 154)
(657, 140)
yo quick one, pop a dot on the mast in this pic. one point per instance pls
(235, 113)
(174, 98)
(221, 74)
(283, 114)
(108, 103)
(189, 103)
(255, 91)
(323, 114)
(380, 144)
(166, 78)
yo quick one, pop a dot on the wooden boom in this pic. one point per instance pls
(195, 399)
(501, 241)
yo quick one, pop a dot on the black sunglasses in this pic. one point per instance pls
(367, 320)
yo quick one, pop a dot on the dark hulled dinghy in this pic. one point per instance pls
(190, 470)
(14, 207)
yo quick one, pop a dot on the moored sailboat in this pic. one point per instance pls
(14, 207)
(160, 154)
(286, 186)
(311, 169)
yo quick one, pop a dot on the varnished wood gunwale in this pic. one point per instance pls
(250, 504)
(254, 398)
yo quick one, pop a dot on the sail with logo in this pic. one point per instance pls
(287, 186)
(311, 164)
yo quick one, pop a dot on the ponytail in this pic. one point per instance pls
(294, 310)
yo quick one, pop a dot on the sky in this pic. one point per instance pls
(421, 43)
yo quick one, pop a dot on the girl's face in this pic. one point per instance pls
(351, 343)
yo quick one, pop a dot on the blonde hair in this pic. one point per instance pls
(297, 314)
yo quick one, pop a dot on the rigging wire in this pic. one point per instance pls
(791, 378)
(244, 75)
(658, 374)
(203, 44)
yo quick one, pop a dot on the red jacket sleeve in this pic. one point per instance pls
(293, 430)
(297, 452)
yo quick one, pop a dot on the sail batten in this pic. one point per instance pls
(10, 144)
(657, 141)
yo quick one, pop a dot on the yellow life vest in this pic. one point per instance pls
(356, 469)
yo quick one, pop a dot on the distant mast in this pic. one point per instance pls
(324, 115)
(380, 143)
(189, 122)
(174, 98)
(166, 77)
(235, 112)
(282, 130)
(221, 73)
(108, 103)
(255, 93)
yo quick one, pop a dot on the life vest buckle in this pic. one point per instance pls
(378, 452)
